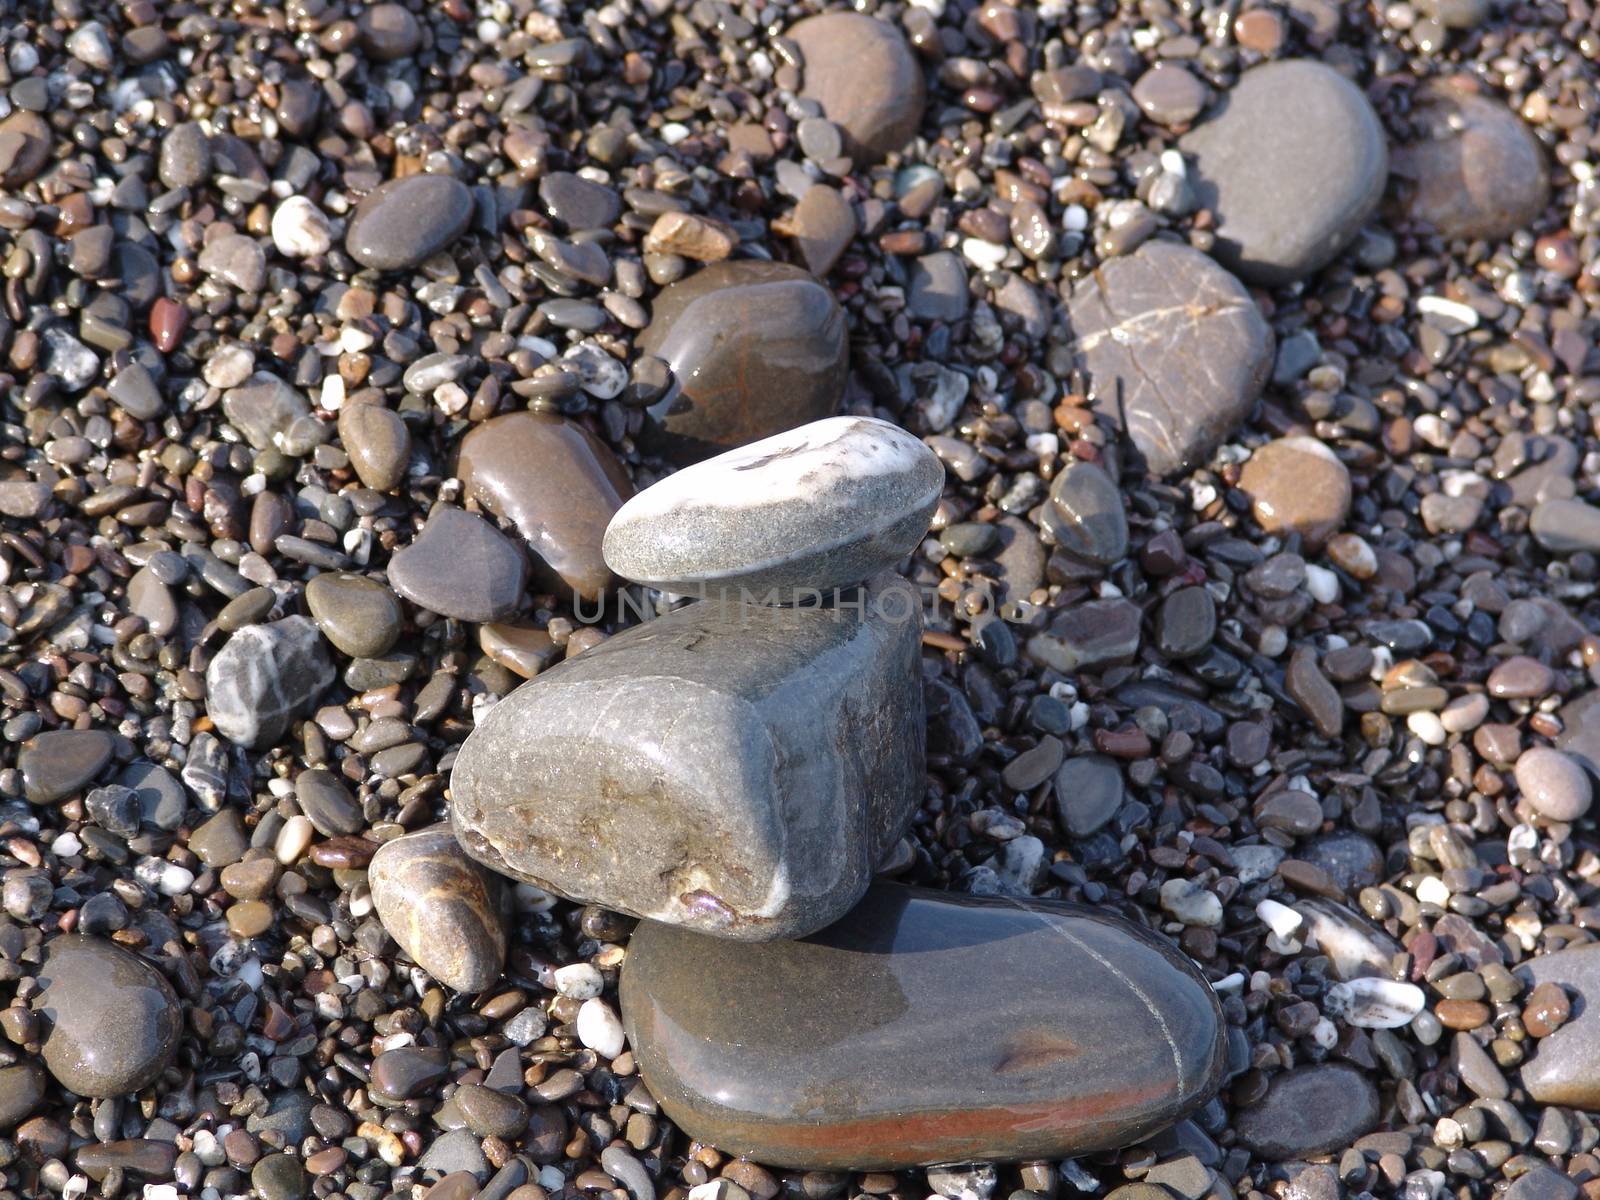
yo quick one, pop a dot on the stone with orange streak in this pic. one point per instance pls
(923, 1028)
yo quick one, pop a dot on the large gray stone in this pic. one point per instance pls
(1292, 162)
(264, 678)
(738, 769)
(815, 508)
(1175, 350)
(1562, 1068)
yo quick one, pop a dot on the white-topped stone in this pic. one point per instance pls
(816, 508)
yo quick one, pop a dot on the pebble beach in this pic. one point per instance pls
(683, 600)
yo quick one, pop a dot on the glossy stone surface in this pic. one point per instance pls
(756, 348)
(1292, 161)
(1475, 171)
(923, 1028)
(1298, 485)
(445, 910)
(739, 769)
(558, 484)
(404, 221)
(112, 1020)
(1309, 1110)
(264, 678)
(1561, 1068)
(802, 512)
(1175, 350)
(863, 73)
(60, 762)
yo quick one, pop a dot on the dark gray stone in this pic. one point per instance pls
(460, 566)
(1085, 514)
(1175, 350)
(1292, 162)
(1089, 791)
(739, 769)
(403, 222)
(1309, 1110)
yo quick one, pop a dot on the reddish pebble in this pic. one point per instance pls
(1547, 1010)
(168, 319)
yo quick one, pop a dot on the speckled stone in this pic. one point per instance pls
(60, 762)
(403, 222)
(827, 1059)
(112, 1020)
(862, 72)
(264, 678)
(1292, 161)
(1475, 171)
(558, 484)
(738, 769)
(755, 348)
(446, 911)
(794, 515)
(1175, 350)
(1298, 485)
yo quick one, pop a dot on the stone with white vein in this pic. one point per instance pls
(1373, 1003)
(812, 509)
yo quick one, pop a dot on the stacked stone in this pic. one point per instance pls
(741, 765)
(736, 770)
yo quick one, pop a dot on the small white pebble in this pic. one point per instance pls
(580, 981)
(986, 256)
(551, 1179)
(1325, 1033)
(599, 1029)
(1075, 218)
(1322, 583)
(294, 839)
(1375, 1003)
(300, 229)
(1230, 983)
(1456, 316)
(1433, 891)
(66, 845)
(1428, 727)
(1279, 918)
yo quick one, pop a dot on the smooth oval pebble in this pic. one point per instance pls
(1553, 783)
(1056, 1030)
(405, 221)
(112, 1020)
(755, 348)
(558, 484)
(378, 443)
(60, 762)
(1175, 349)
(809, 510)
(1292, 161)
(460, 566)
(446, 911)
(1298, 485)
(358, 615)
(863, 74)
(22, 1089)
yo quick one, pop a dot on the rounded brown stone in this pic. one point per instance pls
(1298, 485)
(863, 73)
(558, 484)
(25, 141)
(756, 348)
(447, 912)
(113, 1021)
(1475, 172)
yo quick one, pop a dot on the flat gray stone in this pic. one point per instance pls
(263, 408)
(1292, 162)
(805, 511)
(737, 769)
(937, 290)
(460, 566)
(1175, 350)
(1085, 514)
(264, 678)
(1089, 790)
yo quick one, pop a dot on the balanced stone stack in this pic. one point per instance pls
(736, 770)
(742, 764)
